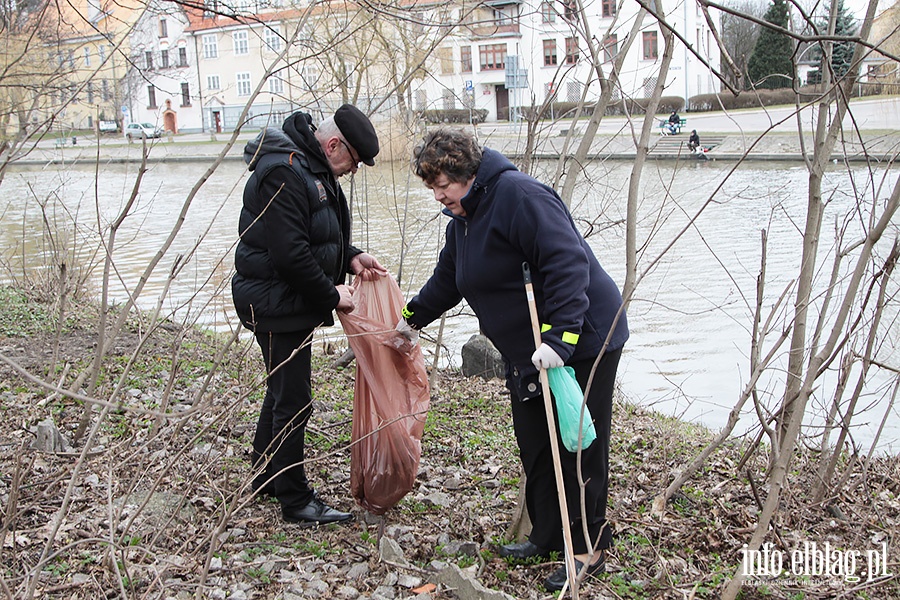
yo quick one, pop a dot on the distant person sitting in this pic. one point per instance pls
(693, 141)
(674, 123)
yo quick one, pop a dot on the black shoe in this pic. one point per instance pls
(558, 579)
(314, 513)
(523, 550)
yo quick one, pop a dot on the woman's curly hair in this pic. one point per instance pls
(453, 152)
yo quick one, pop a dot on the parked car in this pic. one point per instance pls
(142, 130)
(107, 126)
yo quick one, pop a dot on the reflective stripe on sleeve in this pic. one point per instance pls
(567, 336)
(406, 312)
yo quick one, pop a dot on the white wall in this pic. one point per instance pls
(687, 77)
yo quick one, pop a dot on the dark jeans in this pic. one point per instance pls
(541, 498)
(281, 429)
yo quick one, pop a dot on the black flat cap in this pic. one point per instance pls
(358, 131)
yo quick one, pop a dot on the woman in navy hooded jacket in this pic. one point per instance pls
(499, 219)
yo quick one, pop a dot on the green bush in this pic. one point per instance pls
(628, 106)
(758, 98)
(638, 106)
(751, 99)
(455, 115)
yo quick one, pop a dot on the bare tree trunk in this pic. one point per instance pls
(799, 385)
(779, 470)
(827, 472)
(607, 87)
(520, 522)
(637, 168)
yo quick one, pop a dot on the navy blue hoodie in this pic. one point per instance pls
(512, 218)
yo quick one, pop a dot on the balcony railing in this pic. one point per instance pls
(489, 30)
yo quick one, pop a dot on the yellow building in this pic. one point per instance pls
(85, 43)
(885, 35)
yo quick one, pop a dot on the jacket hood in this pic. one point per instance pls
(268, 141)
(301, 131)
(296, 134)
(492, 165)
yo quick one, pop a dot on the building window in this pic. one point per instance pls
(651, 48)
(445, 59)
(102, 51)
(548, 13)
(571, 51)
(609, 8)
(573, 91)
(309, 74)
(421, 100)
(71, 59)
(610, 47)
(570, 10)
(465, 59)
(241, 43)
(148, 60)
(449, 100)
(276, 84)
(504, 16)
(104, 92)
(550, 53)
(87, 57)
(163, 28)
(151, 96)
(182, 57)
(492, 57)
(210, 46)
(185, 94)
(164, 59)
(90, 92)
(273, 39)
(212, 82)
(243, 84)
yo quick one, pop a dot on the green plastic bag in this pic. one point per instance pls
(569, 396)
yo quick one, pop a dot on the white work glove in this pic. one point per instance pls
(406, 331)
(546, 357)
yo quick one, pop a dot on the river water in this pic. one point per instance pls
(690, 319)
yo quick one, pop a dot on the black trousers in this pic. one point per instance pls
(281, 429)
(541, 498)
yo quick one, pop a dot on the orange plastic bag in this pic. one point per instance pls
(391, 398)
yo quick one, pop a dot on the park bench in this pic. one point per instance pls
(664, 126)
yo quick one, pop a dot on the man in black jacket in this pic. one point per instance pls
(291, 262)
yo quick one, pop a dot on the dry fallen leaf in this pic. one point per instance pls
(425, 589)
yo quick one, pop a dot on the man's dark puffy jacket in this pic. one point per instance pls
(512, 218)
(294, 228)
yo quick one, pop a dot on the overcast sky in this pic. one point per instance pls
(859, 6)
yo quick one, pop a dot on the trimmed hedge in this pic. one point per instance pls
(456, 115)
(750, 99)
(758, 98)
(638, 106)
(629, 106)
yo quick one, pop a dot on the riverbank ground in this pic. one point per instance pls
(155, 502)
(758, 134)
